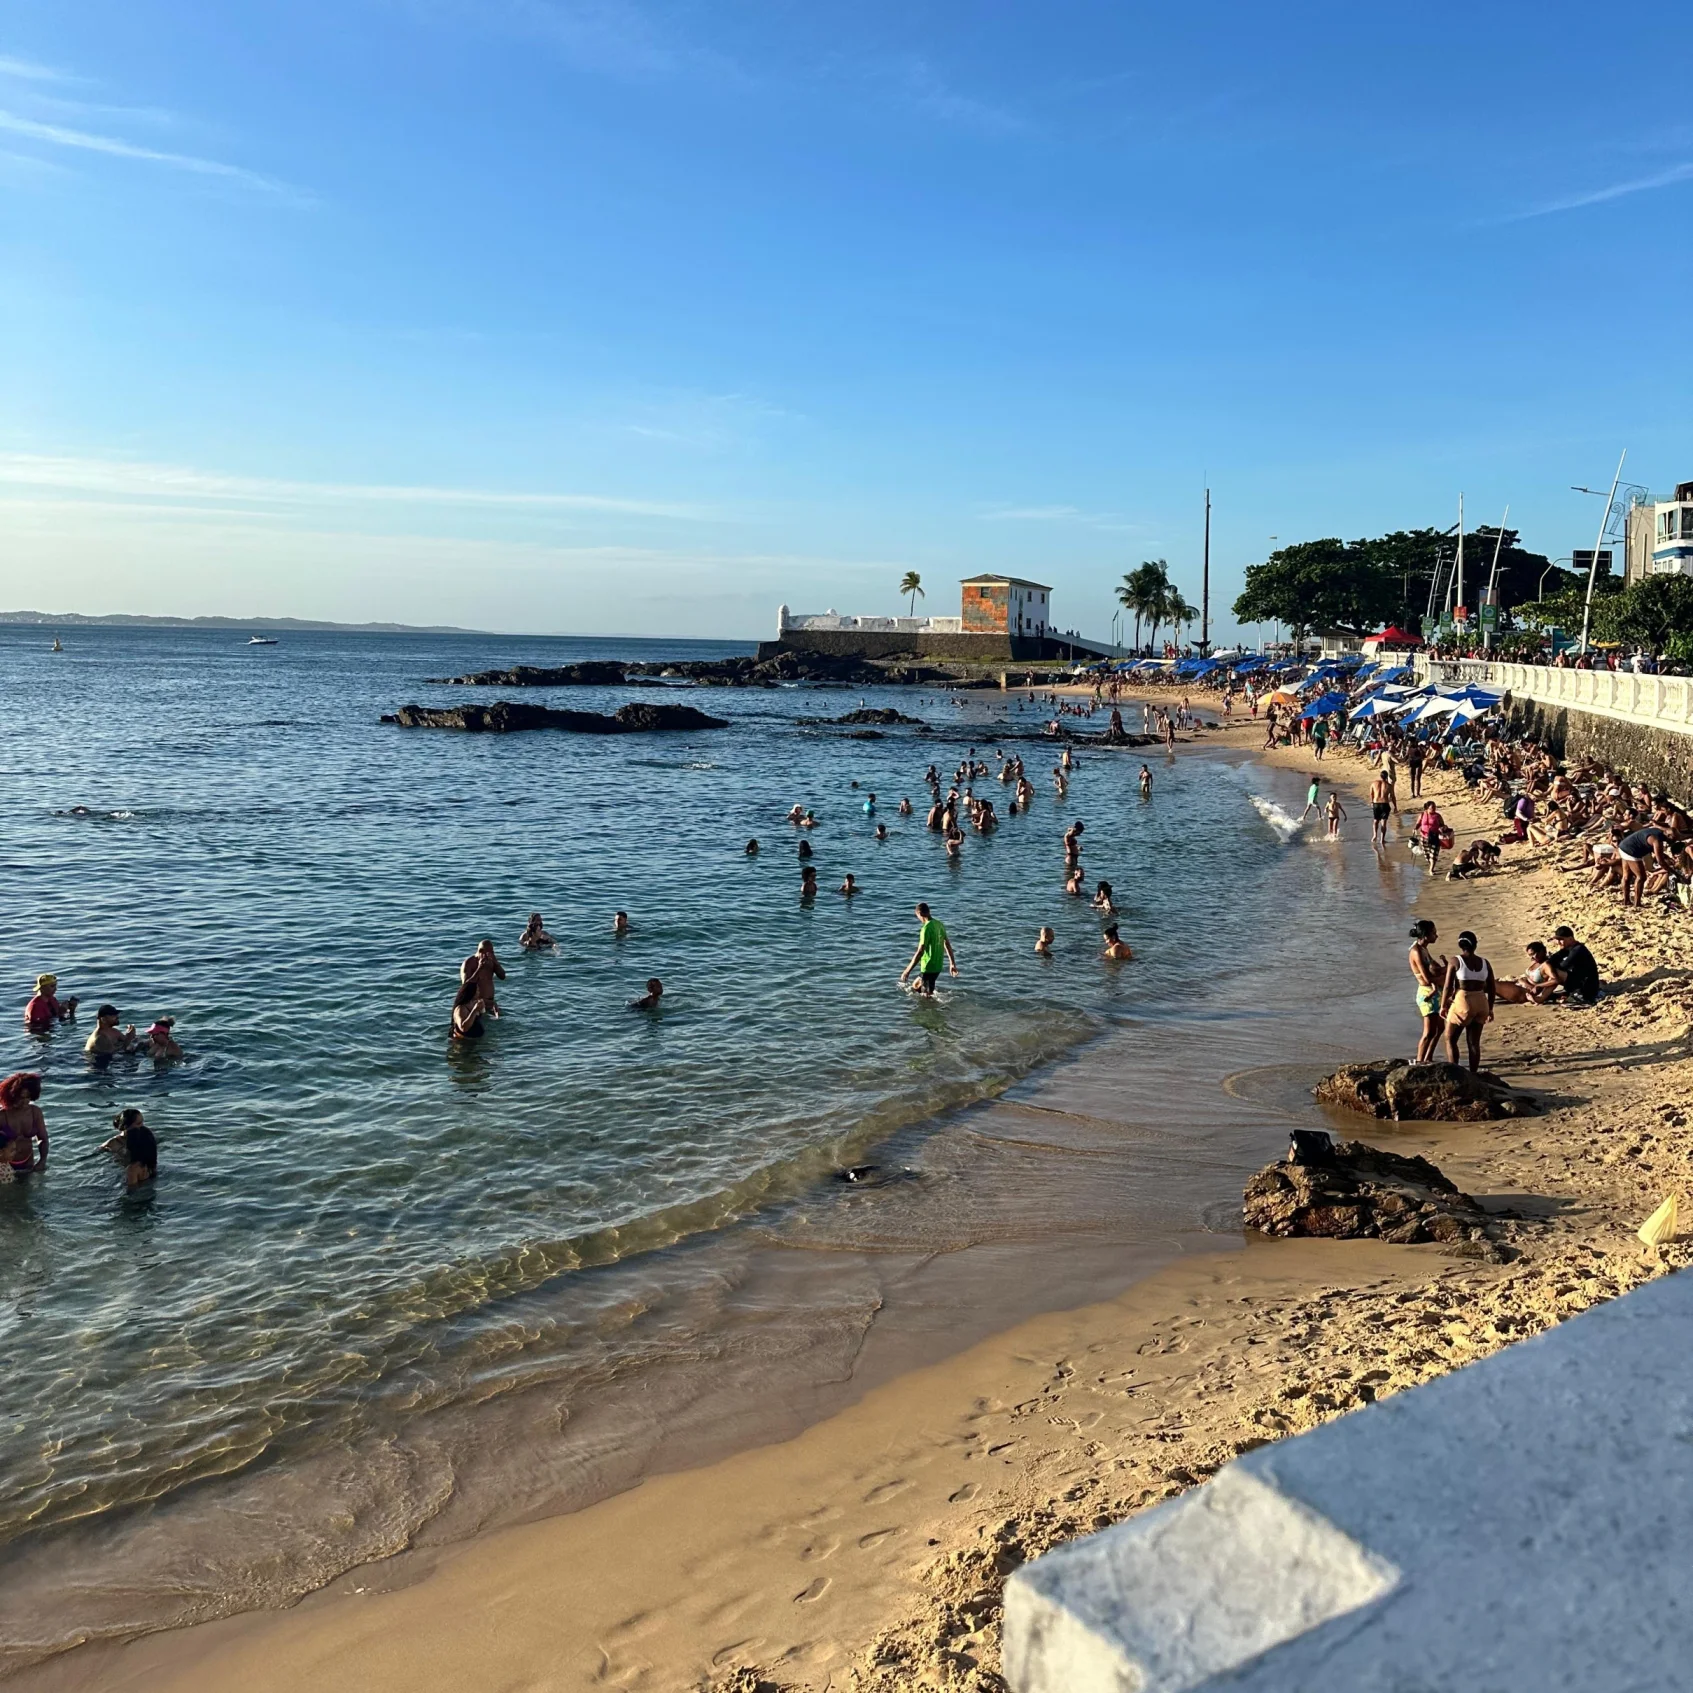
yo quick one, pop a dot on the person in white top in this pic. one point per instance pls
(1467, 1000)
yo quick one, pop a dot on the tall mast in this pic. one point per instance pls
(1205, 586)
(1458, 572)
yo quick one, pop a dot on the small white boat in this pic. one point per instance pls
(261, 641)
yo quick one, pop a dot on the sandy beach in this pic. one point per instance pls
(868, 1551)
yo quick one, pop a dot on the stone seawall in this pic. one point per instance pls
(888, 643)
(1662, 758)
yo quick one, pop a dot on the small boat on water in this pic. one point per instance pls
(261, 641)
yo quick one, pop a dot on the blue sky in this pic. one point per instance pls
(630, 316)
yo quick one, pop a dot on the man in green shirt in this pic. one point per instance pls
(933, 950)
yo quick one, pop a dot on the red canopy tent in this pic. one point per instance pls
(1392, 637)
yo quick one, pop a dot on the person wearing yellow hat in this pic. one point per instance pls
(46, 1008)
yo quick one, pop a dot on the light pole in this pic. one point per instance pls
(1540, 592)
(1604, 523)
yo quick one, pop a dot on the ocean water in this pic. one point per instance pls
(361, 1229)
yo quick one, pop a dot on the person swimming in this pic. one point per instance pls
(1043, 942)
(804, 850)
(649, 1000)
(161, 1043)
(848, 887)
(1102, 899)
(107, 1037)
(881, 831)
(46, 1008)
(469, 1008)
(1115, 946)
(620, 922)
(135, 1145)
(752, 849)
(534, 934)
(484, 968)
(808, 881)
(905, 807)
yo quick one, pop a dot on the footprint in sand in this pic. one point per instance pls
(827, 1547)
(815, 1591)
(886, 1491)
(967, 1492)
(875, 1537)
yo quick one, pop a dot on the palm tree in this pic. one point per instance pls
(911, 583)
(1141, 590)
(1181, 612)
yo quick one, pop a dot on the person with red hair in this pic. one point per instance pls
(22, 1124)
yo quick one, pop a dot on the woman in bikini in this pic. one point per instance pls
(1536, 985)
(1467, 1002)
(22, 1125)
(1428, 972)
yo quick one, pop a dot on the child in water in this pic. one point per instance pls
(136, 1145)
(1043, 942)
(1336, 814)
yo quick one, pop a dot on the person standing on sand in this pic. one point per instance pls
(1381, 809)
(934, 949)
(1431, 827)
(1429, 973)
(1467, 1002)
(1414, 760)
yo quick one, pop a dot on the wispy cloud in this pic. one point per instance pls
(26, 70)
(56, 135)
(133, 479)
(618, 38)
(920, 86)
(1665, 178)
(1057, 514)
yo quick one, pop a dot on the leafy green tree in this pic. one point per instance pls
(1653, 613)
(1318, 585)
(911, 583)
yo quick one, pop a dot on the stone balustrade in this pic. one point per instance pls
(1651, 702)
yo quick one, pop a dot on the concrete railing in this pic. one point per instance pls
(1653, 702)
(868, 625)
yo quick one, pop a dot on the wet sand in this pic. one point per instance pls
(868, 1550)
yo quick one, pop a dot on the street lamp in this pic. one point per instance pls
(1540, 592)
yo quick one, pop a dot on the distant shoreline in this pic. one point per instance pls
(302, 625)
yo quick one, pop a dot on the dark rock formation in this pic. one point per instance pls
(766, 672)
(506, 717)
(596, 673)
(1360, 1192)
(869, 715)
(1431, 1093)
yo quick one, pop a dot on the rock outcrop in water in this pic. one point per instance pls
(1435, 1093)
(596, 673)
(505, 717)
(867, 715)
(1356, 1192)
(768, 672)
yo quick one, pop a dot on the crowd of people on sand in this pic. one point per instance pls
(23, 1126)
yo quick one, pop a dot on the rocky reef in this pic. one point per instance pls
(596, 673)
(1356, 1192)
(1429, 1093)
(505, 717)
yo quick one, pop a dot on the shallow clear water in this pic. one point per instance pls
(353, 1217)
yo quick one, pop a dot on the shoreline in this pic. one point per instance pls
(872, 1543)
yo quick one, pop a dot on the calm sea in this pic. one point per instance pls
(357, 1226)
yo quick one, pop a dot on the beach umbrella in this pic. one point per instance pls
(1375, 708)
(1323, 706)
(1282, 697)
